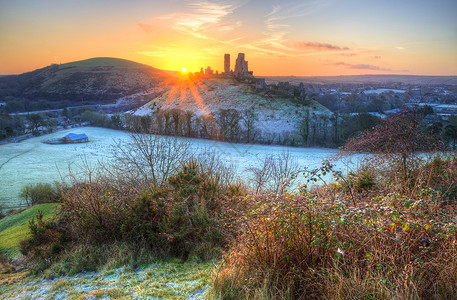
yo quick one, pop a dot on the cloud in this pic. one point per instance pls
(145, 27)
(203, 16)
(274, 40)
(320, 46)
(369, 67)
(400, 48)
(361, 66)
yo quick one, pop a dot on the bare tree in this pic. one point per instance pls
(274, 173)
(36, 120)
(249, 118)
(148, 159)
(398, 139)
(166, 116)
(262, 174)
(284, 169)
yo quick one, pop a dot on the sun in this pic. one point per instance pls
(184, 69)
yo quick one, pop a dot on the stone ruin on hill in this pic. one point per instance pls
(241, 66)
(227, 63)
(242, 73)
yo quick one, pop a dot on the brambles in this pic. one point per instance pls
(293, 246)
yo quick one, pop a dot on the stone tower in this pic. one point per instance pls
(241, 66)
(226, 63)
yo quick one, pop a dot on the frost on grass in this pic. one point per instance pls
(43, 163)
(172, 280)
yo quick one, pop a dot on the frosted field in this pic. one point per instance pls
(31, 161)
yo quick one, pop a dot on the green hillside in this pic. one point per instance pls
(15, 228)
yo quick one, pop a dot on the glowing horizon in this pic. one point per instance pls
(288, 38)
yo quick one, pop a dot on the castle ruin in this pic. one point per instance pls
(227, 63)
(241, 66)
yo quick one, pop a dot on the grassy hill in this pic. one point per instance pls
(15, 228)
(101, 79)
(277, 114)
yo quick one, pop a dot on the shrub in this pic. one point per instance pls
(39, 194)
(94, 211)
(184, 217)
(44, 243)
(361, 181)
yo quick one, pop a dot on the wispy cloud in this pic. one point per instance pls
(320, 46)
(200, 17)
(274, 40)
(361, 66)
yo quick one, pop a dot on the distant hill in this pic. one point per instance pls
(101, 79)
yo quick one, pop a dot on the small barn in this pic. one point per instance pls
(75, 138)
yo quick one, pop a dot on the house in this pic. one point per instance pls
(75, 138)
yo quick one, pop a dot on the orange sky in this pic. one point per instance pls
(292, 37)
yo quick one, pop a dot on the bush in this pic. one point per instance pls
(361, 181)
(184, 217)
(95, 211)
(44, 243)
(39, 194)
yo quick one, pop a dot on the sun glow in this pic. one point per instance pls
(184, 69)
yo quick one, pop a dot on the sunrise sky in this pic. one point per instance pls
(289, 37)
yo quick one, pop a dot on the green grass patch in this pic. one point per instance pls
(15, 228)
